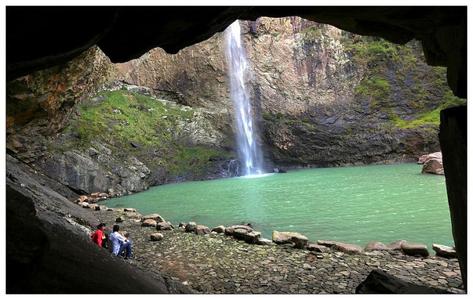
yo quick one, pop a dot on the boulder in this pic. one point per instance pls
(396, 245)
(219, 229)
(129, 209)
(156, 236)
(426, 157)
(250, 237)
(155, 217)
(229, 230)
(347, 248)
(264, 242)
(433, 166)
(119, 219)
(376, 246)
(109, 209)
(317, 248)
(380, 282)
(190, 227)
(326, 243)
(201, 230)
(85, 205)
(444, 251)
(149, 223)
(414, 249)
(163, 226)
(133, 215)
(300, 241)
(82, 198)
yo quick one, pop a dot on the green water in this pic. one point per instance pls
(351, 204)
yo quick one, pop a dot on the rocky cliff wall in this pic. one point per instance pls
(324, 96)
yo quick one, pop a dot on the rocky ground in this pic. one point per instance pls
(216, 263)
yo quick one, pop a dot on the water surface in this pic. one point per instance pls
(351, 204)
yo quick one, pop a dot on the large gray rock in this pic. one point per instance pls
(414, 249)
(433, 166)
(286, 237)
(231, 229)
(426, 157)
(149, 223)
(264, 242)
(164, 226)
(155, 217)
(250, 237)
(201, 230)
(444, 251)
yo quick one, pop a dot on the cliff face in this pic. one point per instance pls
(324, 96)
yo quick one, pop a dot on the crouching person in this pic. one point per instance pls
(120, 243)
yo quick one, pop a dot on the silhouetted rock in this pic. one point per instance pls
(380, 282)
(444, 251)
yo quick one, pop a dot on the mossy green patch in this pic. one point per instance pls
(156, 128)
(129, 117)
(430, 117)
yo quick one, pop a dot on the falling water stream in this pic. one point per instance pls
(249, 151)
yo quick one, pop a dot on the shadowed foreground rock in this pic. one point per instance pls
(380, 282)
(49, 251)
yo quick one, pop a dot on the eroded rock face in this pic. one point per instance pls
(326, 97)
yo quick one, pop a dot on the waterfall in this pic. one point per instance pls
(246, 136)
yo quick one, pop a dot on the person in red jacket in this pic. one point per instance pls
(99, 236)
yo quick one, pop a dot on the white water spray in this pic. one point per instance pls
(246, 135)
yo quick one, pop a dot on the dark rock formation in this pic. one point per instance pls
(453, 142)
(414, 249)
(380, 282)
(444, 251)
(49, 251)
(119, 31)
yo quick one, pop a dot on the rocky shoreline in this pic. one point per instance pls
(210, 262)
